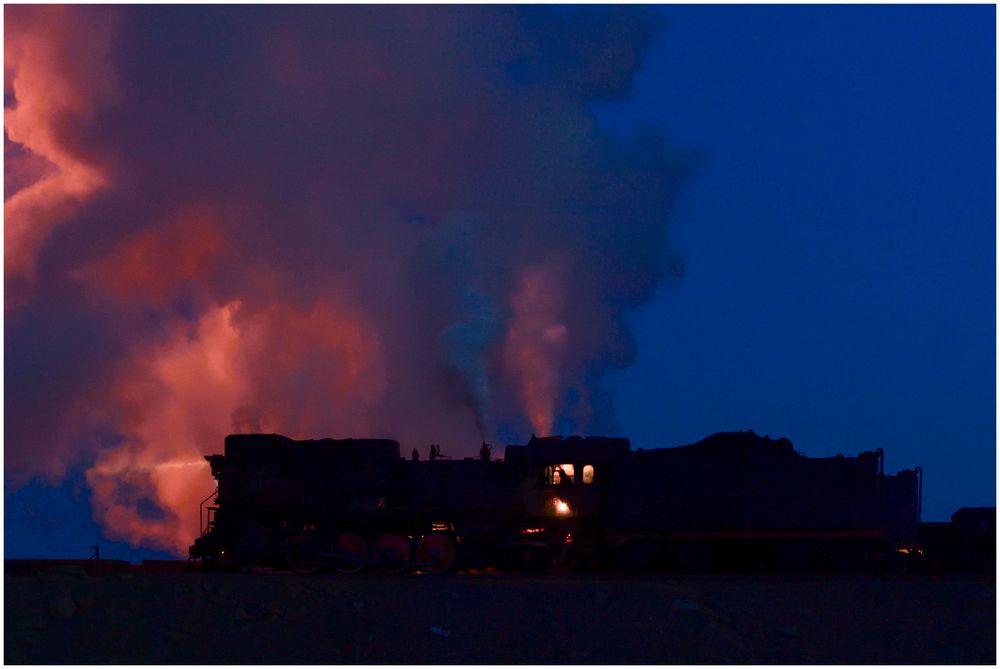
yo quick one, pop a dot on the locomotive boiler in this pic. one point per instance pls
(731, 501)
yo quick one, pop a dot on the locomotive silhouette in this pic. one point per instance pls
(733, 501)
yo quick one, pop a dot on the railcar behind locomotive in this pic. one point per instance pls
(732, 501)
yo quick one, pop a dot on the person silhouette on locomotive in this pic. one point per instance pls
(564, 479)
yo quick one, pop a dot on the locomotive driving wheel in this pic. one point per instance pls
(350, 553)
(303, 554)
(436, 552)
(392, 553)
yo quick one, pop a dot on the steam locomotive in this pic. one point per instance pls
(733, 501)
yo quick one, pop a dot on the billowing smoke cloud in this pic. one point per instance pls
(57, 67)
(321, 221)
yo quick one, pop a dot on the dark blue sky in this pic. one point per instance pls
(839, 237)
(837, 232)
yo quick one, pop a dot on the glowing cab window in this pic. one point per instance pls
(559, 474)
(588, 474)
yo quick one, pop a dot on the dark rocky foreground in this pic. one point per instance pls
(486, 618)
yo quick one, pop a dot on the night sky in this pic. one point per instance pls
(449, 224)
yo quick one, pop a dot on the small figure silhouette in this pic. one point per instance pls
(564, 478)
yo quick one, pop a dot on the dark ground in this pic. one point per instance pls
(489, 618)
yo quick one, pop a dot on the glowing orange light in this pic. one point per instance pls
(562, 508)
(910, 550)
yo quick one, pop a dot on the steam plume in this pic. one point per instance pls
(465, 347)
(535, 343)
(322, 221)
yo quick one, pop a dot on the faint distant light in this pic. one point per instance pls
(910, 550)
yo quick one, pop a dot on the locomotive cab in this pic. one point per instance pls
(564, 492)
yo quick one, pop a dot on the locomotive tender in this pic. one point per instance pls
(732, 501)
